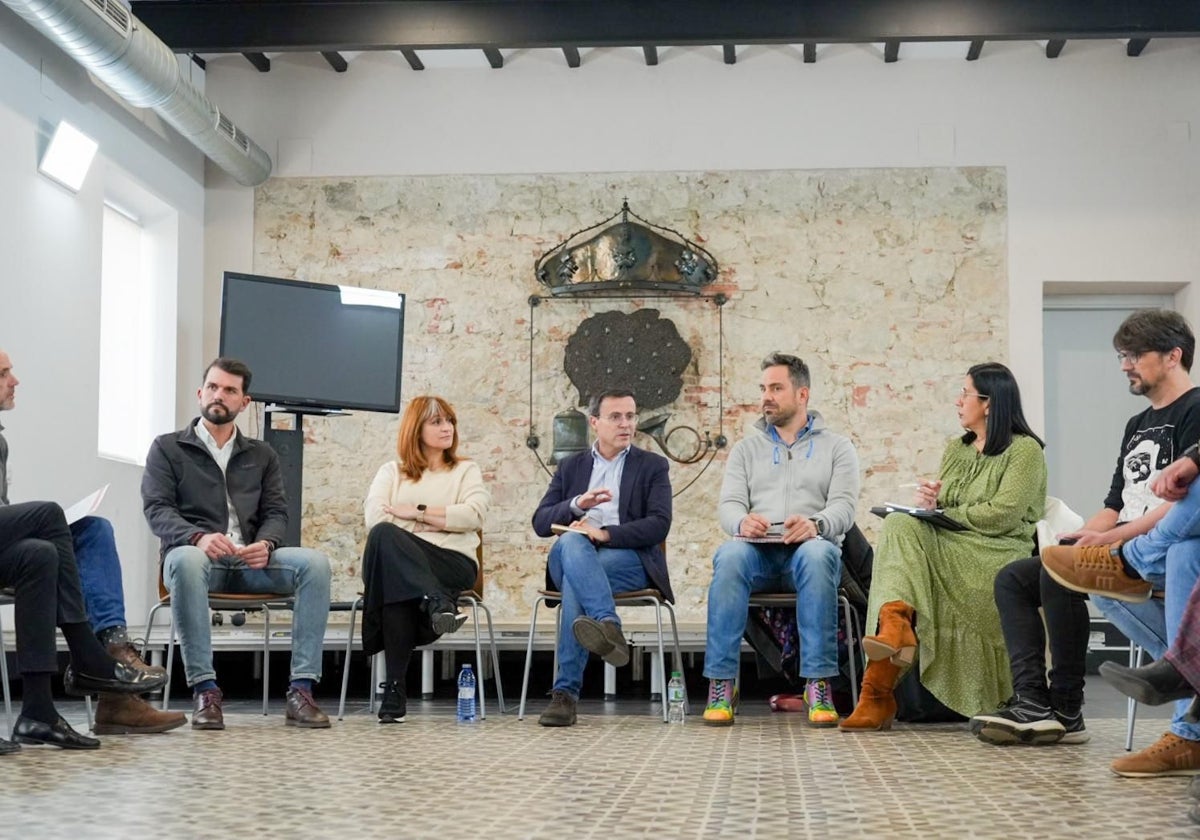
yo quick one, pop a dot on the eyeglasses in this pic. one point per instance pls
(1124, 356)
(965, 393)
(617, 419)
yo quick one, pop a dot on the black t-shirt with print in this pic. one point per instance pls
(1153, 439)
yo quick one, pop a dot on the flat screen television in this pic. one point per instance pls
(315, 346)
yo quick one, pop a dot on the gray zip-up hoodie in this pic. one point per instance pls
(817, 476)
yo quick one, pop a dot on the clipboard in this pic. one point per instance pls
(934, 516)
(566, 529)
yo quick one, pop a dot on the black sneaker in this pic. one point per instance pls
(1076, 732)
(395, 705)
(1019, 721)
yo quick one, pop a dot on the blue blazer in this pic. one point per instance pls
(645, 509)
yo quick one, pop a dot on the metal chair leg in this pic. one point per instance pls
(266, 654)
(529, 656)
(346, 664)
(487, 613)
(4, 678)
(678, 656)
(849, 617)
(1135, 652)
(662, 660)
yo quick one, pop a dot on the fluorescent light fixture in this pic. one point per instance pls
(356, 296)
(68, 156)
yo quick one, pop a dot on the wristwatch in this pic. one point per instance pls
(820, 526)
(1192, 453)
(421, 512)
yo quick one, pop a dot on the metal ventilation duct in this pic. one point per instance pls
(104, 37)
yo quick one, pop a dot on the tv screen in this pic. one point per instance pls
(311, 345)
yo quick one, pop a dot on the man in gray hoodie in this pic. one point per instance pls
(788, 497)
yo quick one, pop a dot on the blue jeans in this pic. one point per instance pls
(99, 572)
(1168, 556)
(812, 569)
(300, 572)
(587, 576)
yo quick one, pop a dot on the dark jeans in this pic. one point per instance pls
(99, 572)
(37, 562)
(1021, 587)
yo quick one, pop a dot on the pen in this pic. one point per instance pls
(910, 484)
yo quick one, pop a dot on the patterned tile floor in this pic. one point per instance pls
(620, 773)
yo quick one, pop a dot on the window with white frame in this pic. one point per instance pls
(138, 279)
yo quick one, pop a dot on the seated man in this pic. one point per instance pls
(99, 570)
(215, 500)
(1121, 578)
(789, 495)
(616, 499)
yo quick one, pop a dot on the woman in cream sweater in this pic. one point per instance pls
(424, 511)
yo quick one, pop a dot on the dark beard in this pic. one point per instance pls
(217, 414)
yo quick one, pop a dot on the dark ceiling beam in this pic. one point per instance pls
(214, 26)
(730, 52)
(891, 51)
(810, 52)
(336, 61)
(414, 61)
(1054, 47)
(494, 57)
(975, 49)
(261, 63)
(651, 54)
(1135, 46)
(572, 56)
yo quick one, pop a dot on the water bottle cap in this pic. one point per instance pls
(466, 666)
(676, 674)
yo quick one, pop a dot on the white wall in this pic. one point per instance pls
(50, 282)
(1102, 151)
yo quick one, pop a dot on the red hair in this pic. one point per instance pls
(413, 461)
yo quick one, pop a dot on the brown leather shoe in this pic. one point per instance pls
(206, 711)
(603, 638)
(303, 711)
(128, 714)
(560, 712)
(127, 653)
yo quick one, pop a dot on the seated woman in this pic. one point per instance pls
(423, 512)
(37, 562)
(931, 590)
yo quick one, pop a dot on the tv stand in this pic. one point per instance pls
(289, 446)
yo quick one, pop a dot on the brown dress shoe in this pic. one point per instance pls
(206, 713)
(560, 712)
(603, 638)
(127, 653)
(303, 711)
(128, 714)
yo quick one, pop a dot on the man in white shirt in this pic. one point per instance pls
(215, 500)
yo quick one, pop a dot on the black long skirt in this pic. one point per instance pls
(399, 566)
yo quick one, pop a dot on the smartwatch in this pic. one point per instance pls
(421, 512)
(820, 526)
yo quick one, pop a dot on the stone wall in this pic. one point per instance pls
(890, 283)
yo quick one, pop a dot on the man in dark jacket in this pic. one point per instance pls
(215, 500)
(614, 500)
(95, 549)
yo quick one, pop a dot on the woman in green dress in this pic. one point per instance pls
(931, 591)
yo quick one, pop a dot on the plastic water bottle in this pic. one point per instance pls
(466, 694)
(675, 698)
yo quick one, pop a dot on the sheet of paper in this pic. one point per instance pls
(85, 506)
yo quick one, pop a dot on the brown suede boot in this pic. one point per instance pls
(876, 707)
(128, 714)
(895, 640)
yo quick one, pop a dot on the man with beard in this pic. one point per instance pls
(95, 550)
(215, 500)
(788, 497)
(1155, 350)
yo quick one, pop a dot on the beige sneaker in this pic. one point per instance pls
(1170, 755)
(1095, 570)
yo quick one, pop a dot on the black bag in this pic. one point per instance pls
(914, 703)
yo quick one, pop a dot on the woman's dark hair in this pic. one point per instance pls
(995, 383)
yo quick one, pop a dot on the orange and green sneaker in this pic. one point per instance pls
(722, 702)
(819, 700)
